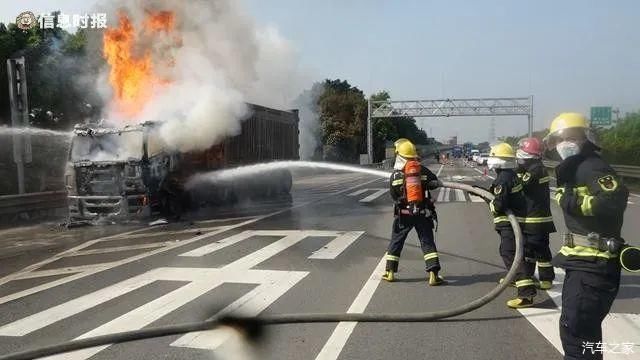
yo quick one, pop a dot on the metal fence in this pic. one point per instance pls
(13, 204)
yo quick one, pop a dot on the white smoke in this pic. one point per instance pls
(223, 60)
(307, 102)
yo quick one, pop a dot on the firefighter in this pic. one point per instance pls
(538, 223)
(413, 208)
(507, 191)
(593, 200)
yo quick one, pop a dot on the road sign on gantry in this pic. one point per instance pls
(601, 115)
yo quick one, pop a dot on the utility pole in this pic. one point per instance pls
(19, 104)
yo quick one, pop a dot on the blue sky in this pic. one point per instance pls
(569, 55)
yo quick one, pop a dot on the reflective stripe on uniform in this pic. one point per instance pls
(392, 257)
(536, 220)
(429, 256)
(582, 191)
(544, 264)
(525, 282)
(544, 180)
(424, 177)
(516, 188)
(587, 208)
(499, 219)
(397, 182)
(586, 252)
(492, 207)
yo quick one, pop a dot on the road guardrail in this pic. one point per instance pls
(15, 204)
(622, 170)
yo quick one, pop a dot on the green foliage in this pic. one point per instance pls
(57, 69)
(621, 143)
(343, 114)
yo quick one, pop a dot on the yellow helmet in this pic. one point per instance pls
(569, 125)
(502, 150)
(406, 149)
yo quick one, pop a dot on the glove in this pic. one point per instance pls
(434, 184)
(568, 201)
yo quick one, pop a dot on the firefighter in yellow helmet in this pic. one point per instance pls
(409, 186)
(508, 195)
(593, 199)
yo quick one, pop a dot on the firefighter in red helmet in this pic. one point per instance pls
(538, 223)
(410, 185)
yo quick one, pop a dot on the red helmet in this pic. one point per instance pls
(531, 146)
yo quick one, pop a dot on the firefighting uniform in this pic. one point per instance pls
(538, 222)
(507, 191)
(593, 200)
(404, 222)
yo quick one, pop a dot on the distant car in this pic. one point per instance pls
(474, 155)
(482, 158)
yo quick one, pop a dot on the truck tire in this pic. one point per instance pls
(286, 182)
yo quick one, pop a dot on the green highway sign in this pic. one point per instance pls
(601, 115)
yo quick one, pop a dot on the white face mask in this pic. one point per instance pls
(567, 148)
(497, 163)
(400, 163)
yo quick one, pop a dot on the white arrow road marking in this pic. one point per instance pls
(251, 304)
(29, 272)
(337, 245)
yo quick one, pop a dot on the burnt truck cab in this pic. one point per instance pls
(128, 173)
(108, 173)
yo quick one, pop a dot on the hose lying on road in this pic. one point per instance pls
(253, 327)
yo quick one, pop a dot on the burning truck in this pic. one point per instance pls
(129, 173)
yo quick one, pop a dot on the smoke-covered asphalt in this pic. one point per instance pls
(319, 252)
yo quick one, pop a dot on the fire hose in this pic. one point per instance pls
(253, 327)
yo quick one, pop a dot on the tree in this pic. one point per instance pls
(343, 113)
(60, 75)
(393, 128)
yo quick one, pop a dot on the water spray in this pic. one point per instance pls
(5, 130)
(253, 327)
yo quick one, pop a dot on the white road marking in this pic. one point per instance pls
(47, 317)
(123, 248)
(617, 328)
(105, 266)
(460, 195)
(375, 195)
(361, 191)
(447, 194)
(439, 170)
(342, 332)
(251, 304)
(288, 236)
(336, 246)
(441, 195)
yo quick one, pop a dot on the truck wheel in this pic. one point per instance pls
(286, 182)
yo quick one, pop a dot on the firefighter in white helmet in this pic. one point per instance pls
(410, 184)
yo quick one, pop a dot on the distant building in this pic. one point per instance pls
(453, 140)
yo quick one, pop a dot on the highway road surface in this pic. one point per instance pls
(320, 251)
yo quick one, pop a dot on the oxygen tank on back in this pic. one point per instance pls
(413, 186)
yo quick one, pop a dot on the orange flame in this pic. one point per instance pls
(132, 77)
